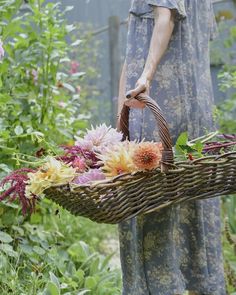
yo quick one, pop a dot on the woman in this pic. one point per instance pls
(178, 248)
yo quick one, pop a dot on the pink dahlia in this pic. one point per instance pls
(99, 138)
(91, 175)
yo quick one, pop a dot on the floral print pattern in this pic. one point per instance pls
(177, 248)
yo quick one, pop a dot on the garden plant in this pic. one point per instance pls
(47, 96)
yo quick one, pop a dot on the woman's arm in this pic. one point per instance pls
(163, 29)
(122, 90)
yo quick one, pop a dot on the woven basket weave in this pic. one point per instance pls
(127, 196)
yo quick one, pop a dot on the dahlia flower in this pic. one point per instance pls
(118, 159)
(99, 138)
(147, 155)
(91, 175)
(52, 173)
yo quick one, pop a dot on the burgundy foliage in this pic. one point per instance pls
(73, 153)
(17, 181)
(228, 141)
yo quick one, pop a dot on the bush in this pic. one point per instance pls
(43, 103)
(44, 254)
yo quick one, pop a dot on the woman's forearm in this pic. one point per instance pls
(163, 29)
(122, 88)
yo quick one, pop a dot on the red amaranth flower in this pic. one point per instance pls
(18, 181)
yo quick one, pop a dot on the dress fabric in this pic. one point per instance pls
(177, 248)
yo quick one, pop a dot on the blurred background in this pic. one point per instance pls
(59, 74)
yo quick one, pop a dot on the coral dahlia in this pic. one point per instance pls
(147, 155)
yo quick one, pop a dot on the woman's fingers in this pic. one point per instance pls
(134, 103)
(133, 93)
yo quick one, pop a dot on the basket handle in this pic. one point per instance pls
(123, 126)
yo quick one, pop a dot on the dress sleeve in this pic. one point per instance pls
(177, 5)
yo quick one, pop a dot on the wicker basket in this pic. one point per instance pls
(129, 195)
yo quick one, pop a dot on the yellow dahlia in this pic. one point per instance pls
(147, 155)
(118, 160)
(50, 174)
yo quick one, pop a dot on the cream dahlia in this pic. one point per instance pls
(118, 159)
(50, 174)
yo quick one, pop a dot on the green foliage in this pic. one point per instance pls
(43, 102)
(87, 54)
(226, 115)
(44, 254)
(229, 241)
(184, 146)
(38, 93)
(227, 109)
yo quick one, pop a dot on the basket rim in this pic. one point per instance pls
(177, 167)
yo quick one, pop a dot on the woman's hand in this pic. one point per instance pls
(142, 86)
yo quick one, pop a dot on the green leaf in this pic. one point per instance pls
(198, 146)
(18, 229)
(54, 279)
(5, 238)
(27, 249)
(76, 43)
(90, 283)
(78, 75)
(80, 251)
(106, 261)
(8, 250)
(68, 8)
(182, 139)
(36, 218)
(39, 250)
(69, 87)
(80, 274)
(18, 130)
(52, 289)
(186, 148)
(94, 267)
(70, 28)
(83, 292)
(5, 168)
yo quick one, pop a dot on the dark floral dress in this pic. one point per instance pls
(178, 248)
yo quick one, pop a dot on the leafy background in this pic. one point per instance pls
(47, 96)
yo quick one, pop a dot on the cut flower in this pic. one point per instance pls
(52, 173)
(91, 175)
(99, 138)
(118, 160)
(147, 155)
